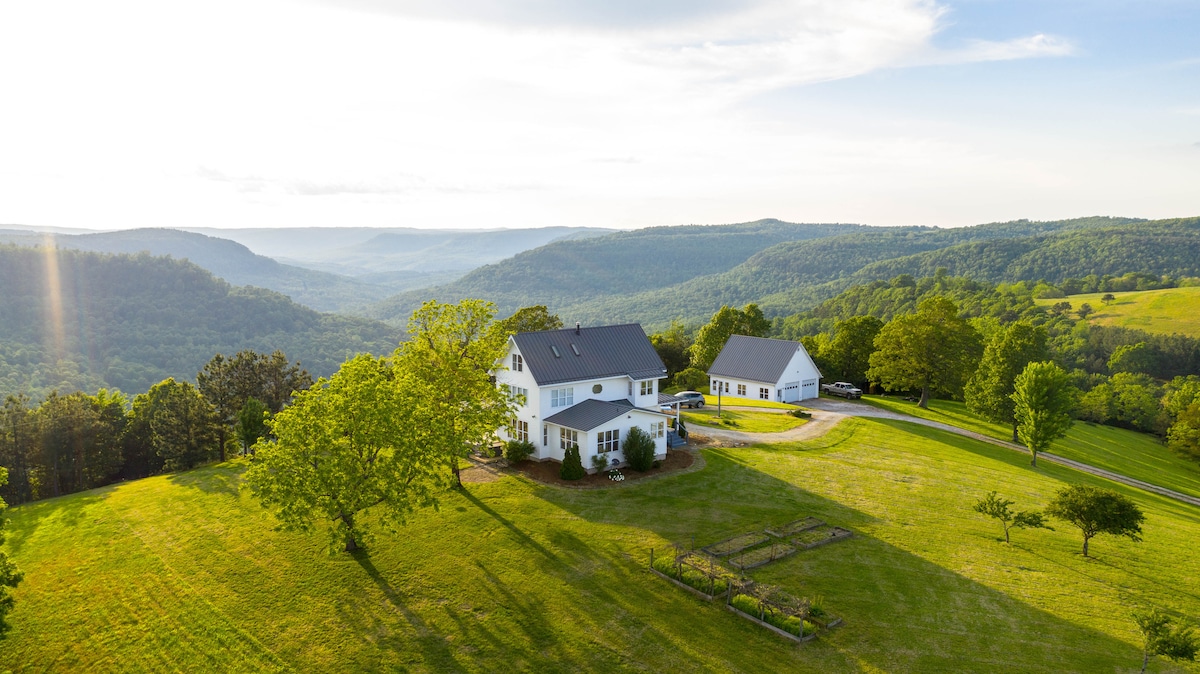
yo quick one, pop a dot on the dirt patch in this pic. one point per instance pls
(480, 473)
(546, 472)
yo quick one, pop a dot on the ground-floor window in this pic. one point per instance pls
(522, 429)
(741, 389)
(568, 439)
(545, 435)
(764, 393)
(658, 429)
(608, 441)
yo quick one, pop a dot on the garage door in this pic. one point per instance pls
(808, 389)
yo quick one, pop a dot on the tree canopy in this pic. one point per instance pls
(934, 350)
(345, 447)
(1041, 406)
(727, 322)
(989, 392)
(1097, 511)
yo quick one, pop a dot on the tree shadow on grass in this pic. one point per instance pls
(903, 612)
(223, 478)
(434, 648)
(66, 511)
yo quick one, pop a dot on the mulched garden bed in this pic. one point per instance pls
(547, 471)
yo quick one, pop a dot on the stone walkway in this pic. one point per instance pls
(827, 413)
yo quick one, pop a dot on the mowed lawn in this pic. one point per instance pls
(185, 572)
(1138, 455)
(728, 401)
(743, 420)
(1166, 311)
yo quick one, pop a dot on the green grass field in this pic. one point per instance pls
(742, 420)
(185, 572)
(1130, 453)
(1167, 311)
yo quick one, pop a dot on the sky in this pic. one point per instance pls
(609, 113)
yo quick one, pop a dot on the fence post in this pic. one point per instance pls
(651, 558)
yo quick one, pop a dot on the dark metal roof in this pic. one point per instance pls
(590, 413)
(755, 358)
(668, 399)
(605, 351)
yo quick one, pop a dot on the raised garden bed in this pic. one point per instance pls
(694, 572)
(793, 528)
(818, 536)
(736, 544)
(759, 556)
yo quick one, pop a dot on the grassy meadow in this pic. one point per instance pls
(1137, 455)
(710, 400)
(185, 572)
(1166, 311)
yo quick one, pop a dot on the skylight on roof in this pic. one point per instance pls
(554, 349)
(575, 349)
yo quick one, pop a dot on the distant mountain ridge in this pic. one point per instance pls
(564, 273)
(82, 320)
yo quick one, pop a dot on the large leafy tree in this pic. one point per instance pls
(182, 425)
(345, 447)
(1097, 511)
(78, 439)
(848, 354)
(672, 346)
(711, 338)
(10, 575)
(449, 359)
(1042, 399)
(251, 423)
(933, 349)
(529, 319)
(228, 383)
(989, 391)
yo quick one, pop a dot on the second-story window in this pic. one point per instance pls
(648, 387)
(562, 397)
(518, 363)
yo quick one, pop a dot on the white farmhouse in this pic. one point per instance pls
(584, 387)
(764, 369)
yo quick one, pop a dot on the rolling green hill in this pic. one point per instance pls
(76, 320)
(1165, 312)
(186, 572)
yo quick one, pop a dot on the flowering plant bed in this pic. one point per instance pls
(760, 556)
(820, 535)
(792, 528)
(735, 544)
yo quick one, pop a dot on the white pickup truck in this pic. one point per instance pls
(843, 389)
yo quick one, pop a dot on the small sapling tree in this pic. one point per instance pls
(1041, 406)
(1161, 637)
(1097, 511)
(998, 508)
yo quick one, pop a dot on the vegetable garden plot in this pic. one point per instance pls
(736, 544)
(820, 535)
(760, 556)
(792, 528)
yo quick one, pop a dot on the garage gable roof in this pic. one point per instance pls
(755, 358)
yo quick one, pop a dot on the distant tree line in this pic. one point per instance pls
(71, 442)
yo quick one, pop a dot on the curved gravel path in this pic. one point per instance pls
(826, 413)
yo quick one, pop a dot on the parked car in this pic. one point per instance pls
(691, 398)
(843, 389)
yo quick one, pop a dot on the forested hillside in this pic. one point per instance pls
(616, 266)
(77, 320)
(797, 274)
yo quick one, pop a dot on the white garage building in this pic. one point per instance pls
(764, 369)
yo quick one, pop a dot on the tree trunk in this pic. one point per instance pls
(1015, 438)
(454, 469)
(1145, 659)
(924, 404)
(1033, 457)
(1085, 543)
(351, 544)
(222, 431)
(1006, 535)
